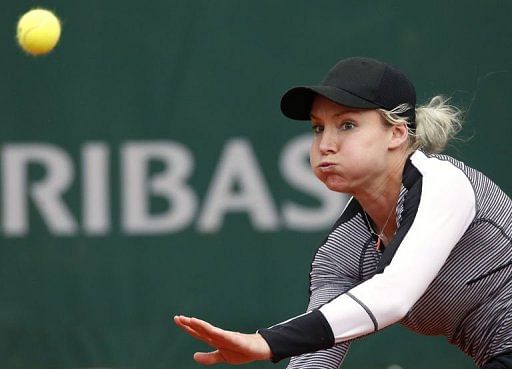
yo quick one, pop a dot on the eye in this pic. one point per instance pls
(317, 128)
(345, 126)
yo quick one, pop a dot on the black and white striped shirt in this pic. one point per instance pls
(447, 271)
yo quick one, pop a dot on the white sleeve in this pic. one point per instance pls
(446, 209)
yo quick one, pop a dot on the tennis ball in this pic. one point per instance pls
(38, 31)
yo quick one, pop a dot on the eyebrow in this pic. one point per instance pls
(337, 115)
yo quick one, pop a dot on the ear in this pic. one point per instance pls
(400, 135)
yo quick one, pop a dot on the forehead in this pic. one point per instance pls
(323, 107)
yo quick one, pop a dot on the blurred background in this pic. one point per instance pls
(146, 169)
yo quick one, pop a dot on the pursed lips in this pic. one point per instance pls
(326, 166)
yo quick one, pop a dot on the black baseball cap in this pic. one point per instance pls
(358, 83)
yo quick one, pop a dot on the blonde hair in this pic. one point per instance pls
(437, 123)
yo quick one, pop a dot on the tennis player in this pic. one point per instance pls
(425, 240)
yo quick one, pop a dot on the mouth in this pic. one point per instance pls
(326, 166)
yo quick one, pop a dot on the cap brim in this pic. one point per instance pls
(296, 102)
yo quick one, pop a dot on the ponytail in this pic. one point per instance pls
(437, 123)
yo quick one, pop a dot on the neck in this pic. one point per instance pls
(380, 198)
(382, 214)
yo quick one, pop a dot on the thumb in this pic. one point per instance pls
(209, 358)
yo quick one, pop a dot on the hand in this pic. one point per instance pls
(230, 347)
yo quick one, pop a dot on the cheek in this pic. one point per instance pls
(314, 159)
(313, 155)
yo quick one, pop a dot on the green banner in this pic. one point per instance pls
(147, 171)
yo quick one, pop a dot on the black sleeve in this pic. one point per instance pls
(306, 333)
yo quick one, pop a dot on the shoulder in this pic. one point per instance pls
(442, 173)
(437, 164)
(445, 173)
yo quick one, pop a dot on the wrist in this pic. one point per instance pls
(263, 348)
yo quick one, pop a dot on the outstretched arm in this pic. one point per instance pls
(327, 281)
(237, 348)
(229, 347)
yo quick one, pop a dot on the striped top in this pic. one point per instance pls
(447, 271)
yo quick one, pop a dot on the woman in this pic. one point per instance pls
(425, 240)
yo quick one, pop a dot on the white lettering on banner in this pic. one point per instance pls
(45, 193)
(96, 192)
(238, 185)
(169, 184)
(238, 166)
(295, 168)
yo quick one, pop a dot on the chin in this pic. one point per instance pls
(336, 185)
(338, 189)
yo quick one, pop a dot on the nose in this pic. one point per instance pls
(328, 143)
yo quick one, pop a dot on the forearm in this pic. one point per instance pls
(306, 333)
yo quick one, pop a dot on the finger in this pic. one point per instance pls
(193, 333)
(216, 334)
(187, 329)
(208, 333)
(184, 322)
(181, 320)
(209, 358)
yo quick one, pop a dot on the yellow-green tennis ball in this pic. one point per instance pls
(38, 31)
